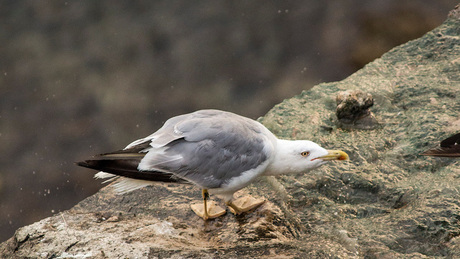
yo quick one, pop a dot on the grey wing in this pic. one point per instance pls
(164, 135)
(213, 148)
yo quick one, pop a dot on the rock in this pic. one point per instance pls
(137, 225)
(387, 202)
(353, 110)
(395, 202)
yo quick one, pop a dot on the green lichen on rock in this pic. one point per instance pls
(390, 198)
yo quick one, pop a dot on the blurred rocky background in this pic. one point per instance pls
(79, 78)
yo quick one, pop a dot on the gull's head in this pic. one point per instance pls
(300, 156)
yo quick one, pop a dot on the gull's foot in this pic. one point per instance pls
(214, 210)
(244, 204)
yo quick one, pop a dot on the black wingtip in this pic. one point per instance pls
(87, 163)
(449, 147)
(128, 168)
(442, 152)
(81, 163)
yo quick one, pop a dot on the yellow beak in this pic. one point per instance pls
(334, 155)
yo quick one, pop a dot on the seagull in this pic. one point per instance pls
(449, 147)
(220, 152)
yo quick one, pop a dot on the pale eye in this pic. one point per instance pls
(305, 153)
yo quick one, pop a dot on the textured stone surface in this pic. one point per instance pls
(387, 202)
(392, 200)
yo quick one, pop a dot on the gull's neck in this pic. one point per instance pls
(281, 162)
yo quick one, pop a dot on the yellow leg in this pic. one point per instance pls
(244, 204)
(209, 210)
(205, 195)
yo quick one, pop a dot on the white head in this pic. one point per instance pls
(300, 156)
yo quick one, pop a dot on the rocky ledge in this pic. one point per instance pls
(387, 202)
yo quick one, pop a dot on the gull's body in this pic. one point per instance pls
(218, 151)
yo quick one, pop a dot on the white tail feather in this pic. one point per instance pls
(124, 185)
(104, 175)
